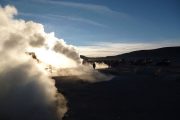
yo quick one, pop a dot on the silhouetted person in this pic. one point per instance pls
(94, 65)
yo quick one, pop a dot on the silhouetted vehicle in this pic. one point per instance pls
(164, 62)
(149, 61)
(141, 62)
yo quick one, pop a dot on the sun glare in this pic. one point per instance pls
(54, 59)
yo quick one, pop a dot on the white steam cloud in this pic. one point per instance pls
(26, 91)
(69, 51)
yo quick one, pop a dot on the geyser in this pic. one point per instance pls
(26, 90)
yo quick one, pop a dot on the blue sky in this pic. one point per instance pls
(103, 22)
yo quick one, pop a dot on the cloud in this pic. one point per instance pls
(80, 19)
(92, 7)
(87, 6)
(109, 48)
(57, 17)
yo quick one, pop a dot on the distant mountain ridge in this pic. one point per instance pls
(165, 52)
(172, 53)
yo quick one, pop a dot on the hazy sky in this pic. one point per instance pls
(104, 23)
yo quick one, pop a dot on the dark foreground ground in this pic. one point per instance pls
(125, 97)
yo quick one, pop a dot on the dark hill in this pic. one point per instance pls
(166, 52)
(157, 55)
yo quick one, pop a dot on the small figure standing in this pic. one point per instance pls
(94, 65)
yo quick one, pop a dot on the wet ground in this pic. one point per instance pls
(125, 97)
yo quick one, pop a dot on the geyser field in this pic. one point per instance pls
(26, 88)
(43, 78)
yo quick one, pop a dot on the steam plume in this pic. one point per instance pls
(69, 51)
(26, 91)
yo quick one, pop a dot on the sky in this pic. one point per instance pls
(106, 27)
